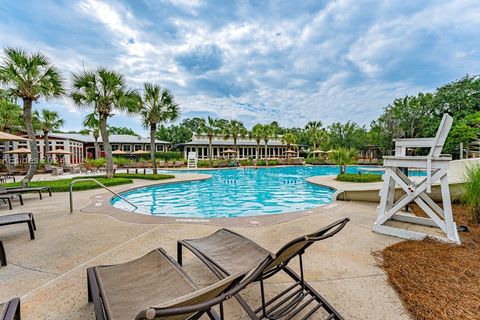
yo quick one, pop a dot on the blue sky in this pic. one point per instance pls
(256, 61)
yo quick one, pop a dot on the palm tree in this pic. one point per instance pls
(91, 123)
(312, 126)
(210, 127)
(105, 91)
(10, 115)
(157, 106)
(235, 129)
(316, 137)
(289, 138)
(48, 121)
(30, 77)
(257, 134)
(342, 157)
(268, 133)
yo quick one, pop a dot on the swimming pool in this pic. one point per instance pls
(235, 193)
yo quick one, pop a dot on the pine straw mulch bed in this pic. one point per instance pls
(437, 280)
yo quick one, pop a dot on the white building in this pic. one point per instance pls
(246, 147)
(82, 146)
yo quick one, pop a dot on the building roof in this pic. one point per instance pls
(113, 138)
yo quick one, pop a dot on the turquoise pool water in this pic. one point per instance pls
(235, 193)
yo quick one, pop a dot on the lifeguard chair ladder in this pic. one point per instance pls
(192, 160)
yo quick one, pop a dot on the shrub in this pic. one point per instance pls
(472, 192)
(315, 161)
(143, 176)
(90, 163)
(121, 161)
(169, 155)
(356, 177)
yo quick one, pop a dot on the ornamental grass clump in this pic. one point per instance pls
(472, 192)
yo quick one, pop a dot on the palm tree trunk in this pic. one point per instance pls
(153, 133)
(210, 149)
(266, 150)
(314, 148)
(97, 151)
(236, 149)
(106, 145)
(47, 146)
(27, 118)
(258, 150)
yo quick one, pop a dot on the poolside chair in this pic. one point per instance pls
(161, 163)
(14, 170)
(156, 287)
(10, 310)
(3, 256)
(436, 166)
(18, 218)
(226, 252)
(20, 190)
(6, 200)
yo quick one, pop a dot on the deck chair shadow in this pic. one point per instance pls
(226, 252)
(436, 166)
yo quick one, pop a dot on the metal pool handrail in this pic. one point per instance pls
(100, 184)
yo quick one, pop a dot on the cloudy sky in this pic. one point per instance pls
(253, 60)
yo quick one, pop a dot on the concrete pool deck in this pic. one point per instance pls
(49, 273)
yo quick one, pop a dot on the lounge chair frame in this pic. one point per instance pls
(12, 310)
(18, 218)
(3, 255)
(95, 295)
(288, 303)
(19, 190)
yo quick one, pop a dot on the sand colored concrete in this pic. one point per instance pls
(49, 273)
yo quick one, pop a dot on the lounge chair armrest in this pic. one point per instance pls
(329, 231)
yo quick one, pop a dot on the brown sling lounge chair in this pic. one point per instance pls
(156, 287)
(226, 252)
(10, 310)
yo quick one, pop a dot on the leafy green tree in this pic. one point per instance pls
(211, 128)
(30, 77)
(104, 91)
(48, 121)
(92, 125)
(175, 134)
(346, 135)
(257, 134)
(158, 106)
(121, 130)
(234, 129)
(193, 124)
(343, 157)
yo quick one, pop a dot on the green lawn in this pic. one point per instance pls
(63, 185)
(362, 178)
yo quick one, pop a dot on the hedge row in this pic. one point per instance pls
(356, 177)
(63, 185)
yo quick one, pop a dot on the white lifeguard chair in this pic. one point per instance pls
(192, 160)
(436, 166)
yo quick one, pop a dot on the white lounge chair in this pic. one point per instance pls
(436, 166)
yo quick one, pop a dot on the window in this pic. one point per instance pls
(115, 147)
(127, 148)
(159, 147)
(137, 147)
